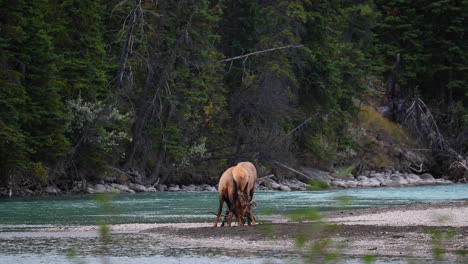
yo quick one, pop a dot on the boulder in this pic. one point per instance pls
(413, 178)
(284, 188)
(120, 187)
(396, 177)
(189, 188)
(151, 189)
(271, 184)
(362, 178)
(100, 188)
(372, 183)
(442, 181)
(380, 179)
(339, 184)
(392, 183)
(137, 187)
(427, 177)
(174, 188)
(210, 189)
(161, 187)
(52, 190)
(296, 185)
(351, 183)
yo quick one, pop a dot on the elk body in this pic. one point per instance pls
(236, 188)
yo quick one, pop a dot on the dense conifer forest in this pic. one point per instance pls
(176, 91)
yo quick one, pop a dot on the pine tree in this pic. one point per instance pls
(35, 110)
(77, 40)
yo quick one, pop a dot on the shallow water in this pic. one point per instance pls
(19, 217)
(193, 206)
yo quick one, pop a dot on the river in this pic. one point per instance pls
(20, 217)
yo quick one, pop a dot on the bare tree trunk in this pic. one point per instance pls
(392, 84)
(162, 151)
(125, 50)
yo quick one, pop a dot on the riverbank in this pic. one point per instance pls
(398, 231)
(311, 179)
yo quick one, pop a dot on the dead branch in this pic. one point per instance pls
(293, 170)
(262, 51)
(296, 128)
(265, 177)
(416, 170)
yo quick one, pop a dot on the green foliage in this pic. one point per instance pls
(438, 238)
(431, 43)
(191, 114)
(31, 112)
(305, 215)
(77, 39)
(369, 259)
(318, 185)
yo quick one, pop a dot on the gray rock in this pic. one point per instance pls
(100, 188)
(380, 179)
(52, 190)
(362, 178)
(161, 187)
(396, 177)
(151, 189)
(122, 188)
(174, 188)
(210, 189)
(427, 177)
(441, 181)
(296, 185)
(392, 183)
(351, 184)
(376, 174)
(340, 184)
(368, 183)
(404, 182)
(271, 184)
(137, 187)
(189, 188)
(284, 188)
(373, 183)
(413, 178)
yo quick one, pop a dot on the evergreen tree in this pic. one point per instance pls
(36, 112)
(77, 40)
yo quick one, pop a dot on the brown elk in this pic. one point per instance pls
(236, 187)
(251, 189)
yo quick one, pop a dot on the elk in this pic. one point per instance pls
(251, 189)
(236, 187)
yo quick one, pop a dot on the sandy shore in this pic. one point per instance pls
(407, 230)
(391, 231)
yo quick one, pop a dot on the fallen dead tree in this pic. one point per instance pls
(416, 116)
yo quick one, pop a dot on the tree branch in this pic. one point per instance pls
(293, 170)
(262, 51)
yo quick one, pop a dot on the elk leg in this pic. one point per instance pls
(251, 217)
(231, 215)
(221, 202)
(226, 215)
(240, 219)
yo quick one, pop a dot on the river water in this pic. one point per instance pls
(19, 243)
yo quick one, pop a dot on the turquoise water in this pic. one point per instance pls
(193, 206)
(21, 243)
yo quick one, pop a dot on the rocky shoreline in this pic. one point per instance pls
(317, 180)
